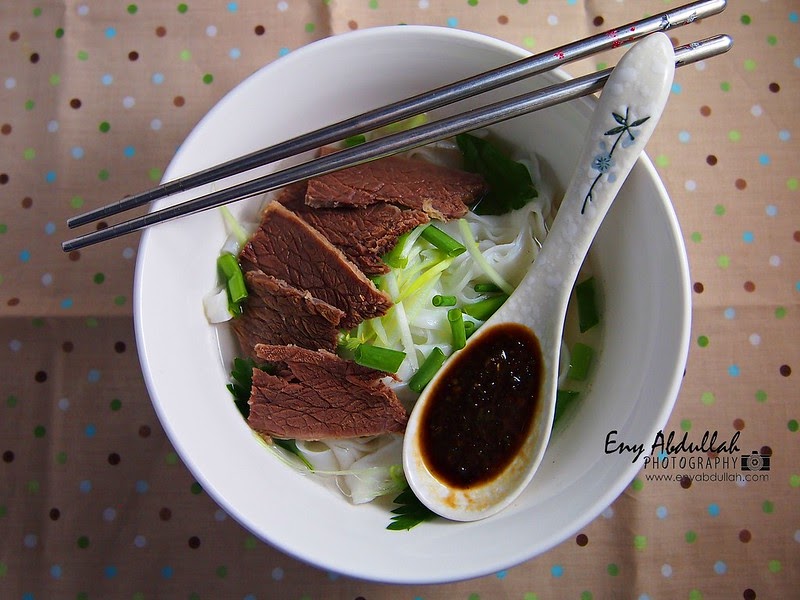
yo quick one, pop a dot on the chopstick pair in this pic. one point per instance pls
(418, 136)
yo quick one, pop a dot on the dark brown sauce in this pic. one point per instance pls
(481, 411)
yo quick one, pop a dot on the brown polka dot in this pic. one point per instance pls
(352, 24)
(8, 456)
(774, 88)
(5, 129)
(740, 184)
(144, 431)
(711, 159)
(40, 376)
(765, 451)
(581, 539)
(749, 594)
(598, 21)
(796, 236)
(4, 178)
(27, 202)
(133, 55)
(194, 542)
(13, 301)
(34, 58)
(745, 536)
(119, 347)
(54, 514)
(114, 458)
(259, 30)
(675, 41)
(75, 103)
(749, 286)
(785, 370)
(686, 482)
(738, 424)
(161, 31)
(705, 110)
(75, 255)
(101, 225)
(698, 287)
(13, 36)
(179, 101)
(165, 514)
(502, 19)
(67, 346)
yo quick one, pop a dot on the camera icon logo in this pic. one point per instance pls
(755, 461)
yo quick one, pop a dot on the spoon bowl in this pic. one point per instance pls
(510, 365)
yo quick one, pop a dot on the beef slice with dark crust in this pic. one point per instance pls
(278, 313)
(363, 234)
(290, 249)
(319, 395)
(441, 192)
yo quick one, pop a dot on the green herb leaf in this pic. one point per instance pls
(242, 381)
(510, 183)
(291, 447)
(410, 513)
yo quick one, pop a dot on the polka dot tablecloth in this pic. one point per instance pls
(95, 96)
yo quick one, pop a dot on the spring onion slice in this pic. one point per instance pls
(450, 246)
(432, 363)
(402, 320)
(483, 309)
(456, 320)
(480, 259)
(233, 226)
(439, 300)
(378, 358)
(588, 315)
(581, 361)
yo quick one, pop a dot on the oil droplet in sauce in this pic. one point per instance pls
(481, 411)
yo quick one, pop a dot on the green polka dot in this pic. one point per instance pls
(115, 404)
(183, 8)
(662, 160)
(99, 278)
(612, 569)
(171, 458)
(774, 566)
(137, 596)
(3, 511)
(59, 33)
(250, 542)
(154, 174)
(61, 458)
(586, 595)
(745, 19)
(472, 2)
(132, 9)
(686, 424)
(310, 27)
(194, 596)
(104, 127)
(196, 488)
(793, 425)
(83, 55)
(523, 2)
(3, 228)
(768, 507)
(185, 55)
(30, 104)
(3, 569)
(640, 542)
(208, 78)
(92, 323)
(11, 401)
(761, 396)
(29, 154)
(734, 135)
(696, 237)
(772, 40)
(792, 183)
(33, 486)
(373, 4)
(690, 537)
(83, 542)
(794, 480)
(637, 485)
(222, 571)
(528, 41)
(76, 202)
(54, 79)
(37, 12)
(37, 322)
(39, 431)
(725, 86)
(695, 595)
(723, 261)
(749, 64)
(702, 341)
(719, 210)
(474, 596)
(708, 398)
(780, 312)
(82, 596)
(120, 300)
(103, 175)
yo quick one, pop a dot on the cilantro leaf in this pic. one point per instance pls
(410, 513)
(510, 183)
(242, 381)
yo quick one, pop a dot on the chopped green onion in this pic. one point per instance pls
(456, 320)
(564, 398)
(233, 226)
(395, 258)
(439, 300)
(581, 360)
(355, 140)
(486, 288)
(469, 327)
(442, 241)
(483, 309)
(588, 316)
(480, 259)
(234, 280)
(427, 370)
(381, 359)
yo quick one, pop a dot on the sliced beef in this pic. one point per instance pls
(290, 249)
(364, 234)
(441, 192)
(317, 395)
(278, 313)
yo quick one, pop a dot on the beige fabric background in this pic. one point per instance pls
(95, 503)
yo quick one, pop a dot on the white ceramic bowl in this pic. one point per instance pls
(639, 258)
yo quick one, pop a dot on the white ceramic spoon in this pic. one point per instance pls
(441, 455)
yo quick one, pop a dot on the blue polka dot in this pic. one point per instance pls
(85, 486)
(93, 376)
(501, 574)
(644, 597)
(797, 62)
(784, 135)
(90, 430)
(157, 78)
(142, 486)
(233, 7)
(166, 572)
(797, 286)
(50, 176)
(77, 152)
(763, 159)
(677, 88)
(27, 596)
(734, 370)
(110, 32)
(50, 228)
(557, 570)
(333, 576)
(713, 509)
(452, 22)
(107, 79)
(662, 455)
(283, 51)
(572, 2)
(249, 597)
(720, 567)
(748, 237)
(771, 210)
(25, 255)
(110, 571)
(661, 512)
(129, 151)
(56, 572)
(684, 137)
(729, 313)
(67, 303)
(793, 18)
(234, 53)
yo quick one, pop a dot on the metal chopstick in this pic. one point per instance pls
(424, 102)
(392, 144)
